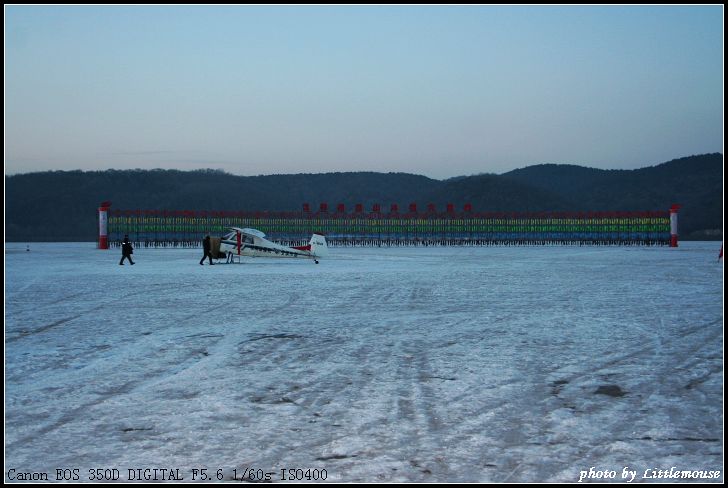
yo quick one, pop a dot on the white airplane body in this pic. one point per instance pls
(252, 243)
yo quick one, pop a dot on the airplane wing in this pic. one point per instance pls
(249, 231)
(253, 232)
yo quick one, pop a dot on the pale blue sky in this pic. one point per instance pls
(439, 91)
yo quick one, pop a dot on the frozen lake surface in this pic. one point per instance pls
(394, 364)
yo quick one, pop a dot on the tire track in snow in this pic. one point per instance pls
(174, 367)
(39, 330)
(419, 426)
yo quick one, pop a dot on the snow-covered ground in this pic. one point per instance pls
(392, 364)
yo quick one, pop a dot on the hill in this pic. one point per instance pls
(61, 205)
(695, 182)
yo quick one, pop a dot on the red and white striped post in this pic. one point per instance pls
(673, 225)
(104, 225)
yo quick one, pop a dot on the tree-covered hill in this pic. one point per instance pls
(61, 205)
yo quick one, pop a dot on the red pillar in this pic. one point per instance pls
(673, 225)
(104, 225)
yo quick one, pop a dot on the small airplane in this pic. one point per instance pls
(252, 243)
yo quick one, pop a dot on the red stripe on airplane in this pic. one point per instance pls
(304, 248)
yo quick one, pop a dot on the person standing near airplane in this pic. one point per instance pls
(126, 250)
(206, 250)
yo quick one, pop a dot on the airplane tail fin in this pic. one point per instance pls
(318, 246)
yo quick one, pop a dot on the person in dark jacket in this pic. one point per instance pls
(126, 250)
(206, 250)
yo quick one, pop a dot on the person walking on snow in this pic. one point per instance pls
(206, 250)
(126, 250)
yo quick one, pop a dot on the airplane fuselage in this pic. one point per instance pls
(252, 243)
